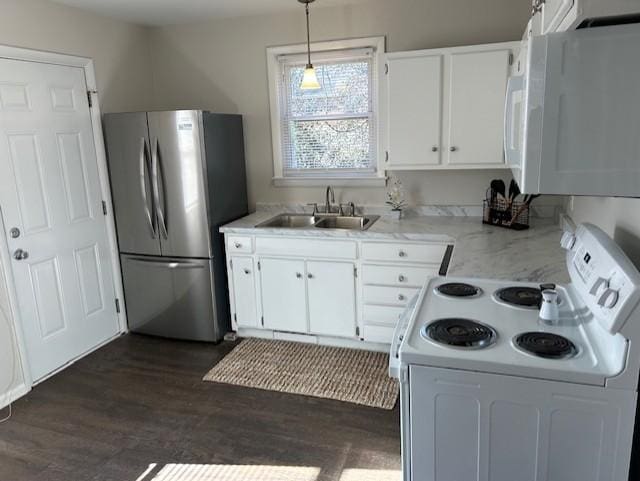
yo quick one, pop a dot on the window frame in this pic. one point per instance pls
(344, 178)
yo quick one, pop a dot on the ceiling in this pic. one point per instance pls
(168, 12)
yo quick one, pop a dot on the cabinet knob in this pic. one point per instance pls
(310, 276)
(401, 297)
(298, 275)
(453, 149)
(434, 149)
(402, 254)
(247, 271)
(237, 245)
(401, 278)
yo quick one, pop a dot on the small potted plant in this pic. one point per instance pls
(395, 198)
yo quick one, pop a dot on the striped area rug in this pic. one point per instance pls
(350, 375)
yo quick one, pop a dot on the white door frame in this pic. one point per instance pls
(40, 56)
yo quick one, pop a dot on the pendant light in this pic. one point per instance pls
(309, 79)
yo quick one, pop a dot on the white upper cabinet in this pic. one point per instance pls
(445, 107)
(553, 12)
(477, 86)
(414, 100)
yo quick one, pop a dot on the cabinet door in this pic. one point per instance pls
(244, 292)
(332, 298)
(414, 99)
(284, 305)
(477, 86)
(553, 12)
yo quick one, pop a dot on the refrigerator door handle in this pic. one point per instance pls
(155, 168)
(144, 167)
(170, 264)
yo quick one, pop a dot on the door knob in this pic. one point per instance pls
(20, 255)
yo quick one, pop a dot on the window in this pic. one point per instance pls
(331, 133)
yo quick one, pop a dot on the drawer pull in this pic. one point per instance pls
(247, 271)
(401, 297)
(310, 276)
(298, 275)
(402, 254)
(237, 245)
(401, 278)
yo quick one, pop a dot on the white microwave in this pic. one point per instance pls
(572, 117)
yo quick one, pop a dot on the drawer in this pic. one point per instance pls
(398, 275)
(381, 334)
(388, 295)
(381, 315)
(404, 252)
(308, 248)
(239, 244)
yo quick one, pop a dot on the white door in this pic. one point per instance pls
(553, 13)
(414, 96)
(478, 83)
(244, 292)
(332, 298)
(50, 194)
(284, 300)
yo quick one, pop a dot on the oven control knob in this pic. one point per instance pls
(568, 241)
(598, 284)
(609, 299)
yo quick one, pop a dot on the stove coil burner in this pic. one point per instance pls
(462, 333)
(458, 289)
(528, 297)
(546, 345)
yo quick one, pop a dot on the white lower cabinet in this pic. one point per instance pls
(348, 290)
(284, 303)
(243, 278)
(331, 290)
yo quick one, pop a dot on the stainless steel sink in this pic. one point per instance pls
(347, 222)
(293, 221)
(290, 221)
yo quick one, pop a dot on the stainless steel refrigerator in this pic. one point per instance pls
(175, 178)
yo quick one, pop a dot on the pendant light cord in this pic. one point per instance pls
(308, 37)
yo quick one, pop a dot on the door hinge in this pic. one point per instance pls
(358, 331)
(355, 272)
(259, 266)
(231, 263)
(510, 59)
(104, 207)
(386, 69)
(386, 156)
(262, 320)
(235, 317)
(90, 97)
(117, 305)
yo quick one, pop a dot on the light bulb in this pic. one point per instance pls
(310, 79)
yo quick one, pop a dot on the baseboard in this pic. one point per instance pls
(13, 395)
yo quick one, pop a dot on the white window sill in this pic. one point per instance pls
(333, 181)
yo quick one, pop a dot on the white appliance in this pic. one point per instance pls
(490, 392)
(572, 114)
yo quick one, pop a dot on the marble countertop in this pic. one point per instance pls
(533, 255)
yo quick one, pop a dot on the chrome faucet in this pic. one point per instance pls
(329, 198)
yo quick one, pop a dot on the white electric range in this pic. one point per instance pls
(491, 392)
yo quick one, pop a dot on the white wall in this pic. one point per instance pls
(122, 62)
(221, 65)
(619, 217)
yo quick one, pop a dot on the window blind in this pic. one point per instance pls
(332, 129)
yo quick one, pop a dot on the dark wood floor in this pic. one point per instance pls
(141, 400)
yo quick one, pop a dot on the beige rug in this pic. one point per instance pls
(350, 375)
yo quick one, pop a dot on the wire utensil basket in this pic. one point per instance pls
(502, 213)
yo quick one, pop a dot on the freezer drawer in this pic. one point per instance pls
(170, 297)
